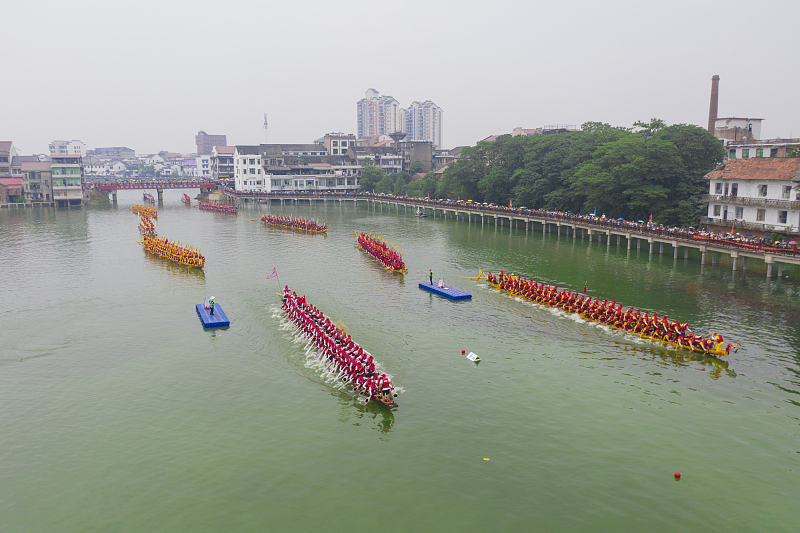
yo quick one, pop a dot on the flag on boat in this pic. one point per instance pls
(480, 273)
(733, 226)
(651, 218)
(273, 273)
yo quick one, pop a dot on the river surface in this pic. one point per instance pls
(119, 412)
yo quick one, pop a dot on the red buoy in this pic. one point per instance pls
(677, 475)
(463, 351)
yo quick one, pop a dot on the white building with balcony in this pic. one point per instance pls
(761, 194)
(247, 172)
(67, 148)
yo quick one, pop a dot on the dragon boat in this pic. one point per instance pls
(386, 254)
(146, 226)
(186, 199)
(301, 224)
(144, 210)
(213, 206)
(338, 352)
(147, 197)
(663, 331)
(179, 253)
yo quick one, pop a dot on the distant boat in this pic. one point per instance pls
(186, 199)
(420, 213)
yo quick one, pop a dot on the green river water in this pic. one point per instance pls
(119, 412)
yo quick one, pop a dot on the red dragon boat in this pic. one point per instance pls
(338, 352)
(301, 224)
(386, 254)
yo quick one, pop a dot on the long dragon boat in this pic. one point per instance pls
(386, 254)
(183, 255)
(213, 206)
(146, 226)
(661, 330)
(144, 210)
(345, 359)
(301, 224)
(147, 197)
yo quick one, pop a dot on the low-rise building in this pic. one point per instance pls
(247, 171)
(67, 148)
(222, 162)
(67, 174)
(37, 183)
(7, 153)
(761, 148)
(761, 194)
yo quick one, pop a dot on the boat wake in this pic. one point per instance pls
(317, 362)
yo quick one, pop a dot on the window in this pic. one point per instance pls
(717, 210)
(787, 191)
(762, 190)
(739, 213)
(718, 188)
(335, 151)
(734, 189)
(760, 215)
(759, 152)
(773, 152)
(252, 171)
(745, 153)
(252, 161)
(782, 217)
(732, 153)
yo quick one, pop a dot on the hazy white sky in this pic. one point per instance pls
(149, 74)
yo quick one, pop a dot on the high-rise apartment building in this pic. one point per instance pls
(205, 142)
(422, 121)
(377, 115)
(382, 115)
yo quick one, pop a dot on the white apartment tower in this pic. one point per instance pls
(423, 122)
(377, 115)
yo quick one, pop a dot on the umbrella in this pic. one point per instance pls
(767, 239)
(792, 242)
(748, 234)
(620, 218)
(641, 222)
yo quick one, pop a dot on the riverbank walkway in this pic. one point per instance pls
(604, 231)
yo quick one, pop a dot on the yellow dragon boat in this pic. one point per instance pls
(183, 255)
(716, 347)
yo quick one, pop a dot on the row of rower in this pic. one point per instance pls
(388, 255)
(185, 255)
(346, 359)
(295, 223)
(213, 206)
(660, 329)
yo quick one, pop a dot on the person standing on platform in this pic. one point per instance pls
(430, 276)
(211, 305)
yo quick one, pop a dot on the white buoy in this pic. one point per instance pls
(472, 357)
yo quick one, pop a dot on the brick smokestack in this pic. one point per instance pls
(712, 108)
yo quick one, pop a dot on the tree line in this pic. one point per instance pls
(632, 173)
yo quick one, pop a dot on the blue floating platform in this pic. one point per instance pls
(218, 320)
(447, 292)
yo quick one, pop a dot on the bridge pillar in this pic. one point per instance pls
(638, 245)
(558, 230)
(661, 248)
(735, 258)
(744, 264)
(651, 247)
(769, 270)
(114, 196)
(574, 233)
(608, 240)
(780, 270)
(527, 224)
(686, 253)
(495, 220)
(703, 258)
(713, 258)
(160, 193)
(617, 241)
(544, 227)
(590, 236)
(675, 250)
(628, 237)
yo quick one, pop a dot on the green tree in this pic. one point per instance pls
(386, 185)
(370, 177)
(415, 167)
